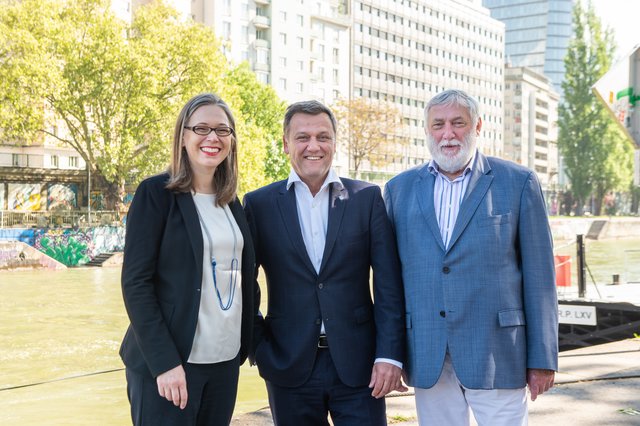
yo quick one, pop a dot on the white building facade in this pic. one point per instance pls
(408, 51)
(531, 129)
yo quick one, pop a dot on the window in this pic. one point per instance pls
(336, 55)
(300, 42)
(244, 34)
(55, 161)
(283, 61)
(299, 88)
(283, 15)
(283, 39)
(300, 20)
(282, 83)
(226, 30)
(73, 161)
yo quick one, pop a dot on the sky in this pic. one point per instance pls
(620, 15)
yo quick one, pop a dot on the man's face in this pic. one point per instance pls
(310, 143)
(451, 136)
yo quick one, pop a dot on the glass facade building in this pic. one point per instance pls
(537, 34)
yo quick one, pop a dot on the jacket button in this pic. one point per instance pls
(197, 289)
(320, 286)
(446, 270)
(318, 321)
(443, 314)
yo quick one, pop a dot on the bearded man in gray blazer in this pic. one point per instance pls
(477, 266)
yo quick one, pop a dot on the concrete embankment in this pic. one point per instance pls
(597, 228)
(18, 255)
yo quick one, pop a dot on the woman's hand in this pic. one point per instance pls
(172, 385)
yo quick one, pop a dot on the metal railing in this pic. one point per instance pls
(58, 219)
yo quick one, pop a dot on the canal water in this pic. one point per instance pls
(60, 332)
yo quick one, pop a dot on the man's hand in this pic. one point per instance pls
(539, 381)
(172, 385)
(385, 378)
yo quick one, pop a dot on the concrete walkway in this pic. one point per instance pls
(596, 386)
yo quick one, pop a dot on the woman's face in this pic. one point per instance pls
(206, 152)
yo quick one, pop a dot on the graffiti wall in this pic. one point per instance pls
(25, 196)
(62, 197)
(68, 246)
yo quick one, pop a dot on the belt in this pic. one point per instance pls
(323, 343)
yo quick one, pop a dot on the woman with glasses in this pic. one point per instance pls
(187, 277)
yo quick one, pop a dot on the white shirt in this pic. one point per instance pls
(313, 215)
(217, 337)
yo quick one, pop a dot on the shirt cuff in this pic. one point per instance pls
(389, 361)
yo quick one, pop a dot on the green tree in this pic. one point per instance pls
(116, 87)
(371, 130)
(596, 157)
(261, 112)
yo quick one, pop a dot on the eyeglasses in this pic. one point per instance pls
(206, 130)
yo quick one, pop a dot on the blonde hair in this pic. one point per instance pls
(225, 178)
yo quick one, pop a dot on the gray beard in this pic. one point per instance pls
(452, 164)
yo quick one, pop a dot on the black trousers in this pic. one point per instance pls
(322, 395)
(211, 388)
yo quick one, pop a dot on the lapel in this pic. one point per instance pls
(289, 211)
(192, 224)
(423, 189)
(479, 183)
(337, 203)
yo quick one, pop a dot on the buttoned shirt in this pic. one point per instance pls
(447, 197)
(313, 215)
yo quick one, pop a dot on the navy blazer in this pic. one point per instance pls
(162, 278)
(359, 237)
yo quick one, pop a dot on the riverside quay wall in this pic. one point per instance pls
(76, 247)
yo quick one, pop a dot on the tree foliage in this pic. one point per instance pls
(597, 157)
(115, 86)
(259, 108)
(371, 130)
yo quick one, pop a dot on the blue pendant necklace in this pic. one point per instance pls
(234, 262)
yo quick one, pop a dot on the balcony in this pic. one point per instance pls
(263, 2)
(261, 22)
(260, 43)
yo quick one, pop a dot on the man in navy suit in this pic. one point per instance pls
(324, 347)
(478, 273)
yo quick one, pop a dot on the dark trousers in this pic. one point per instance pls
(325, 394)
(211, 390)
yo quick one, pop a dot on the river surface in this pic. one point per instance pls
(60, 332)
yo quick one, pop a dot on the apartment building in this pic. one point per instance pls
(531, 130)
(400, 51)
(406, 51)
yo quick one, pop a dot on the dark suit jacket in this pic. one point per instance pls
(359, 237)
(162, 278)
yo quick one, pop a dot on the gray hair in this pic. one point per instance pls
(457, 97)
(308, 107)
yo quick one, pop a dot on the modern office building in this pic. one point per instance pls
(531, 130)
(537, 34)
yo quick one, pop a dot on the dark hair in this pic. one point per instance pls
(308, 107)
(225, 178)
